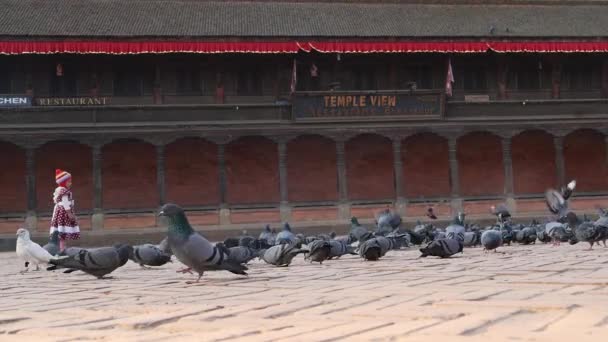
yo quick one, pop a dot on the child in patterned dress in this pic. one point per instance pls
(64, 215)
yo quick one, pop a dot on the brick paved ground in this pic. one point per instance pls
(530, 293)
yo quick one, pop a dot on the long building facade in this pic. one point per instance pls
(304, 111)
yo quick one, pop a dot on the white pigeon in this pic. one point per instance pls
(29, 251)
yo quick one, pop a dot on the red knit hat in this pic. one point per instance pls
(61, 177)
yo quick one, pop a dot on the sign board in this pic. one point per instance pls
(368, 105)
(15, 101)
(72, 101)
(477, 98)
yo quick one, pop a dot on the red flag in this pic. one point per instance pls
(449, 79)
(294, 77)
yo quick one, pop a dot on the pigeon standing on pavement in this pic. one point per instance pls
(148, 255)
(358, 232)
(339, 248)
(456, 229)
(374, 249)
(267, 236)
(192, 249)
(443, 248)
(97, 262)
(282, 254)
(286, 236)
(582, 231)
(241, 254)
(53, 245)
(491, 239)
(29, 251)
(319, 251)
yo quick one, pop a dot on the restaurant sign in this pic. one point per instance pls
(368, 105)
(15, 101)
(72, 101)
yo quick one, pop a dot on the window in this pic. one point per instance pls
(422, 75)
(66, 84)
(474, 78)
(249, 83)
(579, 77)
(365, 79)
(188, 81)
(127, 83)
(5, 80)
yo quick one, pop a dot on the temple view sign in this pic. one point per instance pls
(392, 105)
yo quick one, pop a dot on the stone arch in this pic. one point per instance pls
(252, 171)
(13, 196)
(370, 167)
(312, 173)
(191, 172)
(426, 166)
(585, 160)
(129, 175)
(480, 165)
(534, 167)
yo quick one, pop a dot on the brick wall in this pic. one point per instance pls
(585, 159)
(191, 172)
(533, 155)
(75, 158)
(13, 196)
(369, 167)
(252, 171)
(480, 166)
(426, 166)
(129, 175)
(311, 169)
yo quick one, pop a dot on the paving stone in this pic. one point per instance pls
(530, 293)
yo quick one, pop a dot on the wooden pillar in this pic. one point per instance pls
(556, 78)
(558, 143)
(285, 209)
(508, 166)
(344, 206)
(605, 78)
(502, 73)
(160, 174)
(30, 179)
(31, 219)
(454, 180)
(97, 219)
(157, 91)
(456, 202)
(221, 163)
(398, 169)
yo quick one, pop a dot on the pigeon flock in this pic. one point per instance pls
(279, 249)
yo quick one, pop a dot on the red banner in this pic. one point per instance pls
(139, 47)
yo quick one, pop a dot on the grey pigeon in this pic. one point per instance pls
(71, 251)
(164, 246)
(557, 232)
(491, 239)
(241, 254)
(456, 229)
(149, 255)
(318, 251)
(389, 219)
(281, 255)
(286, 236)
(374, 249)
(97, 262)
(267, 236)
(443, 248)
(358, 232)
(399, 239)
(231, 242)
(53, 245)
(472, 239)
(192, 249)
(583, 231)
(339, 248)
(501, 212)
(557, 201)
(526, 236)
